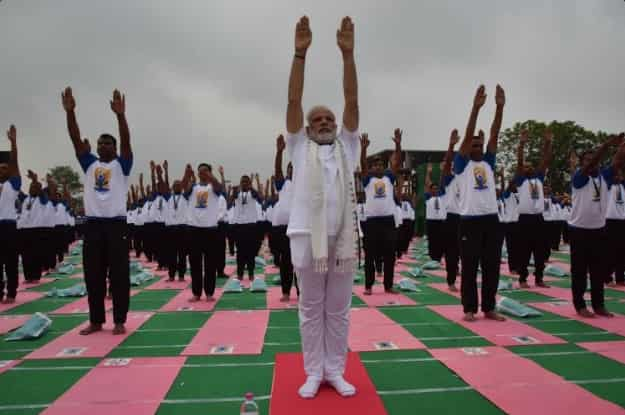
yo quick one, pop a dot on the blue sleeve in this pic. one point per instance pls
(43, 198)
(460, 163)
(366, 180)
(579, 179)
(126, 164)
(255, 195)
(505, 195)
(22, 196)
(167, 196)
(279, 184)
(541, 177)
(390, 176)
(518, 180)
(491, 159)
(427, 195)
(16, 183)
(187, 195)
(86, 160)
(447, 180)
(608, 175)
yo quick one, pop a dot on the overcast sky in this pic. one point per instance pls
(207, 80)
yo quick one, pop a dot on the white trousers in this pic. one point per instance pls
(324, 304)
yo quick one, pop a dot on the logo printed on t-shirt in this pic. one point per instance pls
(201, 200)
(481, 181)
(379, 189)
(102, 179)
(533, 190)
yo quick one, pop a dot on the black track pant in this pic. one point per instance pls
(283, 247)
(615, 257)
(176, 250)
(203, 256)
(451, 249)
(33, 252)
(247, 237)
(221, 249)
(380, 240)
(105, 253)
(588, 258)
(533, 238)
(512, 245)
(435, 239)
(480, 240)
(8, 259)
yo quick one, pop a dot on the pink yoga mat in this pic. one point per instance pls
(407, 261)
(230, 332)
(8, 323)
(81, 305)
(380, 298)
(519, 386)
(165, 284)
(617, 288)
(402, 268)
(501, 333)
(22, 297)
(44, 280)
(615, 324)
(555, 292)
(371, 330)
(126, 386)
(230, 269)
(73, 345)
(8, 364)
(271, 269)
(181, 302)
(612, 350)
(273, 299)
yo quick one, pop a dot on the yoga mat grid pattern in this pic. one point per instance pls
(405, 377)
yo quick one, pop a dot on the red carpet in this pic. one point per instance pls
(289, 375)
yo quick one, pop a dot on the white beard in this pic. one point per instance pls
(325, 138)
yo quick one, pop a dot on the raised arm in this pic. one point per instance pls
(222, 177)
(500, 101)
(428, 177)
(294, 111)
(520, 160)
(547, 151)
(118, 106)
(14, 170)
(478, 102)
(364, 144)
(618, 161)
(166, 170)
(69, 104)
(186, 178)
(153, 175)
(345, 41)
(141, 188)
(277, 165)
(396, 162)
(453, 140)
(600, 153)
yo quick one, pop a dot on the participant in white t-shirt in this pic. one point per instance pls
(587, 225)
(32, 225)
(106, 231)
(10, 184)
(451, 199)
(246, 216)
(615, 229)
(479, 231)
(435, 216)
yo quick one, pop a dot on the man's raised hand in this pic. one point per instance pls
(12, 134)
(280, 143)
(221, 171)
(165, 166)
(397, 136)
(118, 104)
(480, 97)
(345, 35)
(69, 103)
(364, 140)
(500, 96)
(548, 136)
(454, 137)
(524, 136)
(32, 175)
(303, 36)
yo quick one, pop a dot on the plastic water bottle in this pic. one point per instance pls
(249, 407)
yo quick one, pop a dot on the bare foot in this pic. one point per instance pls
(453, 288)
(491, 315)
(119, 329)
(469, 317)
(210, 298)
(542, 285)
(603, 312)
(584, 312)
(171, 279)
(524, 285)
(611, 284)
(621, 284)
(285, 299)
(194, 299)
(367, 291)
(390, 291)
(91, 328)
(9, 300)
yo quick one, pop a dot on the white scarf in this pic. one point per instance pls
(309, 200)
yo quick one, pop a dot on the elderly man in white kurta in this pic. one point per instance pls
(322, 225)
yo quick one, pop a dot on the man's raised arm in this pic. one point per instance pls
(118, 106)
(69, 104)
(345, 41)
(294, 111)
(500, 100)
(478, 102)
(14, 170)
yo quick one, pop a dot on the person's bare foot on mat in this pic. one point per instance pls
(491, 315)
(210, 299)
(91, 328)
(194, 299)
(603, 312)
(285, 299)
(367, 291)
(584, 312)
(542, 285)
(119, 329)
(453, 288)
(524, 285)
(469, 317)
